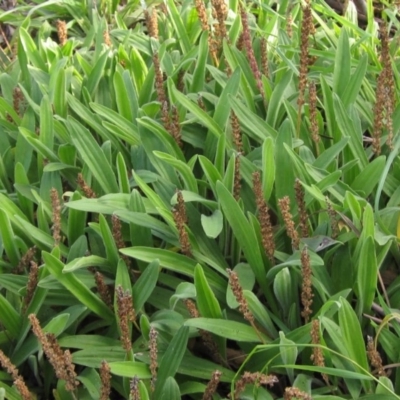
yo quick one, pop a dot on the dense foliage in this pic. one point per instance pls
(199, 200)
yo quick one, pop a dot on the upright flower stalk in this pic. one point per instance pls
(306, 30)
(248, 46)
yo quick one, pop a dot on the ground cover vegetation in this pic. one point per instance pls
(199, 200)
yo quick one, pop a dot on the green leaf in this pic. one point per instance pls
(86, 262)
(130, 369)
(182, 168)
(172, 358)
(367, 276)
(31, 50)
(329, 371)
(277, 98)
(200, 68)
(96, 73)
(212, 224)
(352, 336)
(207, 303)
(268, 164)
(171, 390)
(369, 177)
(244, 234)
(352, 90)
(145, 285)
(201, 115)
(9, 317)
(76, 288)
(341, 73)
(76, 221)
(172, 261)
(227, 329)
(93, 156)
(109, 242)
(289, 353)
(46, 123)
(8, 238)
(176, 20)
(127, 130)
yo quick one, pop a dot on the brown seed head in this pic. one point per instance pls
(60, 361)
(238, 293)
(374, 357)
(134, 386)
(180, 218)
(253, 378)
(264, 57)
(317, 356)
(212, 385)
(236, 132)
(301, 204)
(19, 382)
(106, 38)
(62, 32)
(202, 14)
(25, 261)
(333, 219)
(153, 349)
(248, 46)
(306, 28)
(103, 289)
(56, 206)
(31, 286)
(87, 190)
(306, 288)
(267, 234)
(152, 23)
(237, 178)
(105, 378)
(294, 393)
(126, 314)
(284, 205)
(312, 90)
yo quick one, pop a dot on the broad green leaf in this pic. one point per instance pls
(352, 336)
(172, 261)
(289, 354)
(171, 390)
(201, 115)
(227, 329)
(207, 303)
(182, 168)
(129, 369)
(369, 177)
(200, 68)
(76, 288)
(8, 238)
(352, 90)
(93, 156)
(145, 285)
(341, 75)
(212, 224)
(108, 241)
(367, 276)
(244, 234)
(268, 163)
(9, 317)
(171, 359)
(176, 20)
(85, 262)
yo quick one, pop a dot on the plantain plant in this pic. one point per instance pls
(199, 200)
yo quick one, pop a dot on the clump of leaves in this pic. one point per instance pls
(199, 201)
